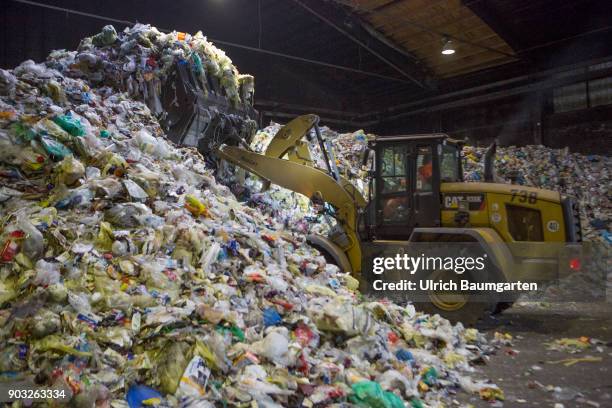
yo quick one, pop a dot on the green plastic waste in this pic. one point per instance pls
(70, 125)
(56, 150)
(23, 132)
(105, 134)
(51, 128)
(430, 377)
(237, 333)
(416, 403)
(370, 394)
(197, 62)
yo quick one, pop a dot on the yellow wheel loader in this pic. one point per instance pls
(417, 195)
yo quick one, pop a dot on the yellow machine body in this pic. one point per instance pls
(479, 211)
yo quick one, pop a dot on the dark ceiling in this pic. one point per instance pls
(346, 78)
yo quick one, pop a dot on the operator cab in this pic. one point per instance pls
(405, 182)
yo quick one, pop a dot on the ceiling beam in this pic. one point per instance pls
(352, 28)
(542, 85)
(391, 15)
(485, 11)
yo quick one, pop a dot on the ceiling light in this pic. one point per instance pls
(448, 48)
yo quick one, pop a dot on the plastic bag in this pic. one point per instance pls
(47, 273)
(30, 160)
(70, 125)
(33, 245)
(112, 164)
(8, 290)
(430, 376)
(12, 359)
(23, 132)
(92, 173)
(56, 342)
(271, 317)
(44, 323)
(127, 215)
(171, 363)
(92, 396)
(492, 394)
(77, 198)
(53, 129)
(80, 303)
(370, 394)
(56, 150)
(343, 317)
(394, 380)
(30, 67)
(195, 206)
(141, 395)
(70, 171)
(135, 192)
(275, 347)
(151, 145)
(56, 92)
(277, 283)
(404, 355)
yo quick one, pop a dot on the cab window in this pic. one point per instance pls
(449, 164)
(394, 200)
(393, 169)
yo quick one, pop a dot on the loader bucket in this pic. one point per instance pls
(198, 114)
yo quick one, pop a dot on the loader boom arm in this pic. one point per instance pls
(307, 180)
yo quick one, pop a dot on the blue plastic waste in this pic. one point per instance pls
(271, 317)
(404, 355)
(141, 395)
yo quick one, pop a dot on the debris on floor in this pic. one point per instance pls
(568, 362)
(576, 345)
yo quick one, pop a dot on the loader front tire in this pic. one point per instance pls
(465, 307)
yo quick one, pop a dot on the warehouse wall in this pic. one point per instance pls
(578, 116)
(509, 121)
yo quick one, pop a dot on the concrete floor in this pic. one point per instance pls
(532, 325)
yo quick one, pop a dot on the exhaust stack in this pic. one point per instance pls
(489, 163)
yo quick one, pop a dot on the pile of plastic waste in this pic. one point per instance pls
(585, 177)
(130, 277)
